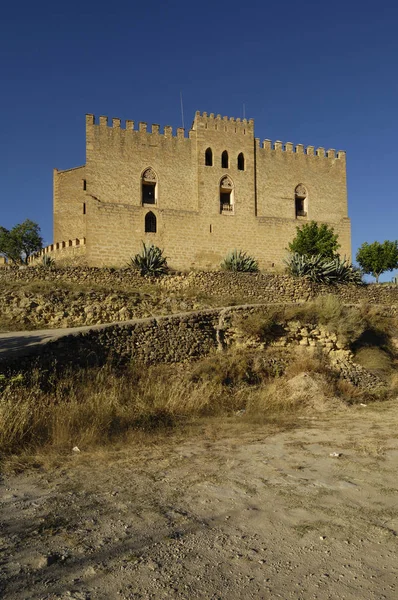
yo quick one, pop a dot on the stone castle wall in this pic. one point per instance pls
(69, 204)
(190, 227)
(71, 251)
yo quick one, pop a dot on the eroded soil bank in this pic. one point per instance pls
(224, 511)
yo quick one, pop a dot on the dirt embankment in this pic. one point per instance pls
(69, 297)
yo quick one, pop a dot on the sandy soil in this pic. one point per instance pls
(229, 512)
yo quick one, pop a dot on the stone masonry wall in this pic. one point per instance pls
(69, 218)
(177, 339)
(190, 227)
(254, 287)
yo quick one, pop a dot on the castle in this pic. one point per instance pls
(196, 197)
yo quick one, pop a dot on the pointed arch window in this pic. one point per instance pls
(149, 187)
(150, 223)
(209, 157)
(301, 201)
(226, 196)
(241, 162)
(224, 160)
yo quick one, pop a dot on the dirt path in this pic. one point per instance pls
(250, 514)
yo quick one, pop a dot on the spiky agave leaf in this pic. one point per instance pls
(237, 260)
(47, 262)
(150, 261)
(321, 270)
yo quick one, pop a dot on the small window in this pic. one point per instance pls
(84, 208)
(241, 162)
(209, 157)
(148, 193)
(300, 209)
(84, 184)
(150, 223)
(226, 196)
(224, 160)
(301, 201)
(148, 187)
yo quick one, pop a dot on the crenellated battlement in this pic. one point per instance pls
(212, 122)
(69, 247)
(289, 147)
(220, 123)
(131, 127)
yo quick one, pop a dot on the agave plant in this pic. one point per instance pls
(47, 262)
(237, 260)
(323, 270)
(150, 261)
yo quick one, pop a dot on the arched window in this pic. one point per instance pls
(226, 196)
(150, 223)
(209, 157)
(301, 200)
(241, 162)
(224, 160)
(148, 186)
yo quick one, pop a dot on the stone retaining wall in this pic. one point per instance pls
(177, 339)
(149, 341)
(262, 287)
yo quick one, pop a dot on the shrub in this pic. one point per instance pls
(237, 260)
(264, 326)
(322, 270)
(150, 262)
(313, 240)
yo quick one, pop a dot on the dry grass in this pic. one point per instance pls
(96, 407)
(44, 287)
(355, 326)
(375, 360)
(304, 362)
(394, 383)
(265, 325)
(351, 393)
(239, 366)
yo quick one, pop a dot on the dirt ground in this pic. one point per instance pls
(233, 511)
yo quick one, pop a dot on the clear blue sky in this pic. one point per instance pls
(319, 73)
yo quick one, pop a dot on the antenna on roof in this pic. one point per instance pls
(244, 111)
(182, 111)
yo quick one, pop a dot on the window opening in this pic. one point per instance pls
(150, 223)
(300, 201)
(84, 208)
(241, 162)
(226, 196)
(224, 160)
(148, 186)
(209, 157)
(84, 185)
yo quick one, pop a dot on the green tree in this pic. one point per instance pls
(374, 259)
(313, 239)
(18, 243)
